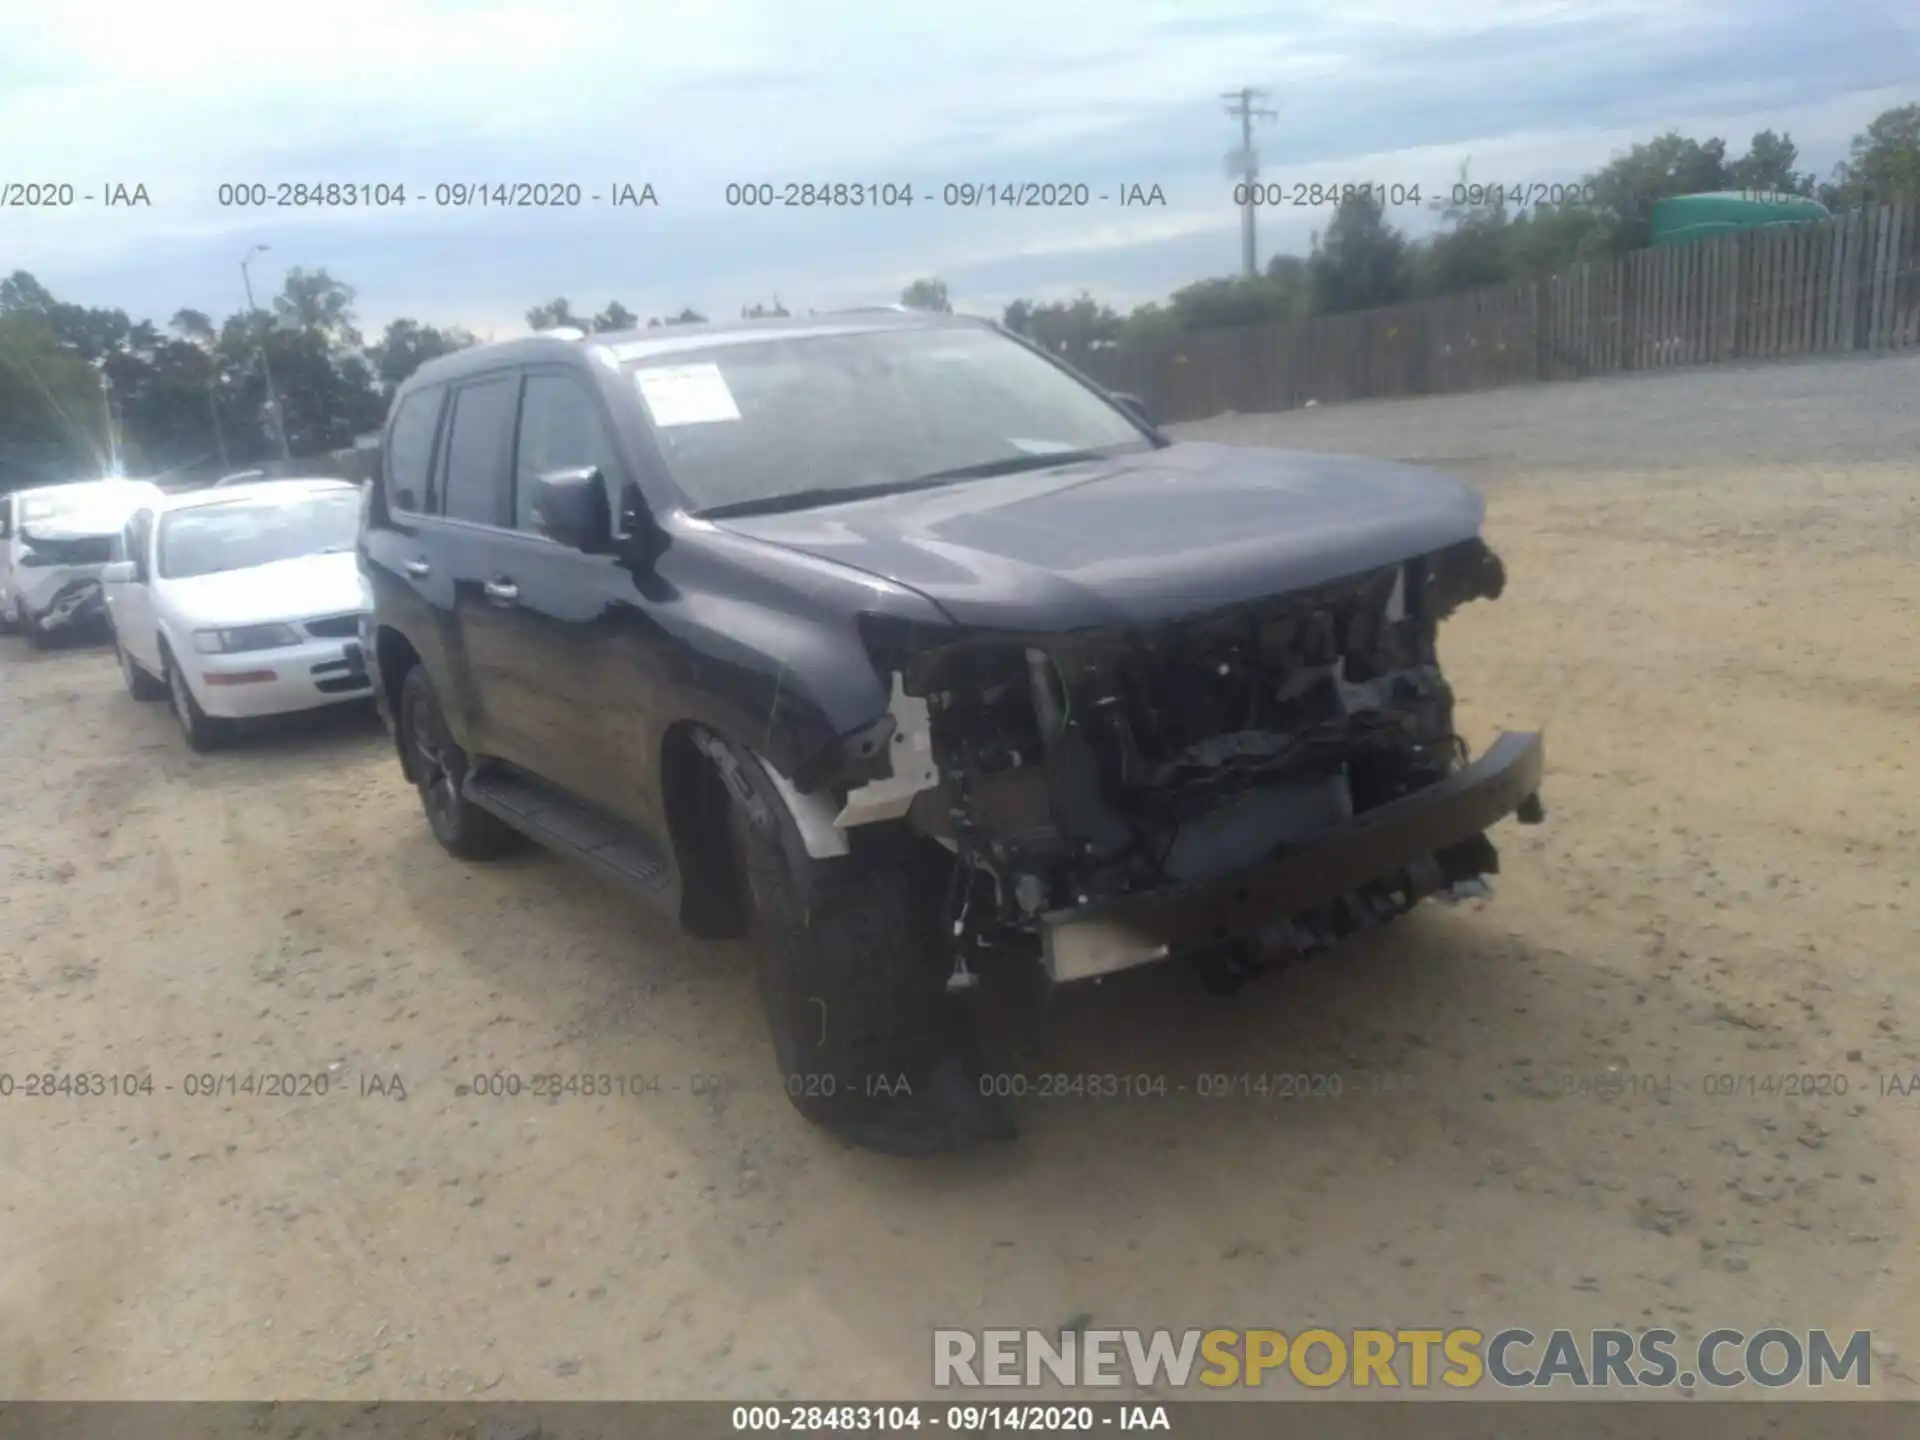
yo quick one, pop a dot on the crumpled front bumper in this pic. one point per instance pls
(1388, 857)
(61, 597)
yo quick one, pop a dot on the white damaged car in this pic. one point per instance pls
(241, 601)
(54, 542)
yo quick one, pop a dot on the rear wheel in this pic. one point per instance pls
(140, 684)
(853, 969)
(202, 731)
(438, 768)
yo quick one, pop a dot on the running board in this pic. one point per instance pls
(562, 823)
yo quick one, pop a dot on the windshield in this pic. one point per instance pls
(209, 539)
(746, 422)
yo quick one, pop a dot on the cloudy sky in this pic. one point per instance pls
(690, 96)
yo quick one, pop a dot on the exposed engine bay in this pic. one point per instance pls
(1070, 769)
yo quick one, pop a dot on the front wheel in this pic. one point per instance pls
(203, 733)
(853, 970)
(438, 768)
(35, 632)
(140, 684)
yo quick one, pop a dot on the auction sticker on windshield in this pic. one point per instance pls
(686, 394)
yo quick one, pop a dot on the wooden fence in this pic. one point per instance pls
(1838, 286)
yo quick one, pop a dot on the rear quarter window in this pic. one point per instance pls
(407, 461)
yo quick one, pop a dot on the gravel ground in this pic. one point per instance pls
(1710, 611)
(1814, 412)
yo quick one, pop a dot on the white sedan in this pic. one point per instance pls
(241, 601)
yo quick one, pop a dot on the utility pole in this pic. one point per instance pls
(106, 403)
(213, 412)
(260, 344)
(1247, 164)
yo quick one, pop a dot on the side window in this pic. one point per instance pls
(410, 450)
(478, 451)
(560, 429)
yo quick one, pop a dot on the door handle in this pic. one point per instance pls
(504, 591)
(416, 568)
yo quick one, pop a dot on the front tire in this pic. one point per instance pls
(203, 733)
(140, 684)
(853, 970)
(36, 633)
(438, 768)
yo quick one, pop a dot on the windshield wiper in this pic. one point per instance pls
(1012, 465)
(835, 495)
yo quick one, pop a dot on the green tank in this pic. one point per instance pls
(1681, 219)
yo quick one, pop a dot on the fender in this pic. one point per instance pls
(812, 815)
(810, 834)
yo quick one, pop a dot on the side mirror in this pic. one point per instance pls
(1134, 406)
(570, 507)
(120, 572)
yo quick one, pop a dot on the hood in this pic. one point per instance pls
(93, 509)
(1137, 538)
(91, 523)
(300, 589)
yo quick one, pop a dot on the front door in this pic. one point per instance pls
(130, 603)
(9, 519)
(571, 626)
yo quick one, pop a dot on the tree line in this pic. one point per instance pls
(83, 386)
(192, 396)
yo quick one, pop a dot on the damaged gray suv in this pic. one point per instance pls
(895, 644)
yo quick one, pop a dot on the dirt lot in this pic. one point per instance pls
(1711, 611)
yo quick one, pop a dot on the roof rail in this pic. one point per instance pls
(564, 332)
(874, 310)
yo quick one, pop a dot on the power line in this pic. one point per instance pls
(1241, 107)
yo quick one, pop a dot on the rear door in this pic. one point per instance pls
(411, 584)
(476, 461)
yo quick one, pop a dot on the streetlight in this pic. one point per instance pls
(273, 396)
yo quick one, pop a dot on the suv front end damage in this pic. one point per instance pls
(58, 580)
(1234, 787)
